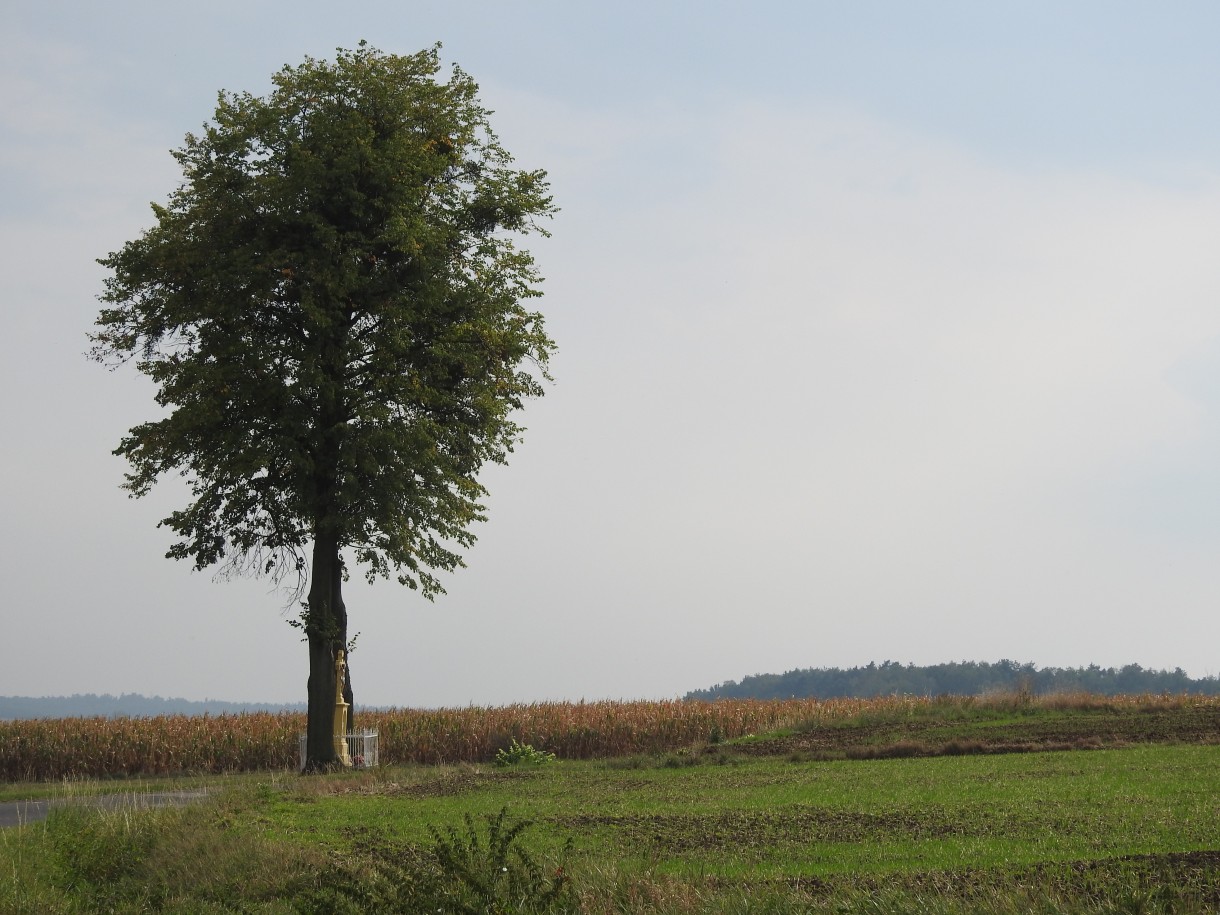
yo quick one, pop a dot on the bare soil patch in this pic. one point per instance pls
(1039, 731)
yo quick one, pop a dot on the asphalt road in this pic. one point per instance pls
(16, 813)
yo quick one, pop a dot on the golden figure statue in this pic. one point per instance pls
(341, 707)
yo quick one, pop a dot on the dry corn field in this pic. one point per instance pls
(50, 749)
(53, 749)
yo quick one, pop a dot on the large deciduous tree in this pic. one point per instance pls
(332, 307)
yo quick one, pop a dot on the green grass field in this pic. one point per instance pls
(710, 828)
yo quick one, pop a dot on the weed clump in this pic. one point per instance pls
(522, 754)
(496, 874)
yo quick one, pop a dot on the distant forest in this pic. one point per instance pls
(128, 705)
(965, 678)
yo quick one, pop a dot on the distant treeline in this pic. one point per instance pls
(130, 705)
(965, 678)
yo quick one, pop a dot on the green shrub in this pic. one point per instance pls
(522, 754)
(496, 876)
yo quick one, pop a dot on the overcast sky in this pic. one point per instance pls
(886, 331)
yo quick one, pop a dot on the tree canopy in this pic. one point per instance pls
(334, 310)
(960, 678)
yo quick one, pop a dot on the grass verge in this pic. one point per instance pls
(1117, 830)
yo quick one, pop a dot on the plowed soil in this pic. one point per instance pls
(1039, 731)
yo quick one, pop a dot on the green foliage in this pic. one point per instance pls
(496, 874)
(331, 308)
(522, 754)
(967, 678)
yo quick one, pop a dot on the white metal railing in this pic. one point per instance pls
(361, 747)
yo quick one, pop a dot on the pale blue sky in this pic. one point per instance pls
(887, 331)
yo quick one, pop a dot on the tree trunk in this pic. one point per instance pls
(326, 633)
(326, 628)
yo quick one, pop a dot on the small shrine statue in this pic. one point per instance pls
(341, 708)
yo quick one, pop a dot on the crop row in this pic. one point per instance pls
(54, 749)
